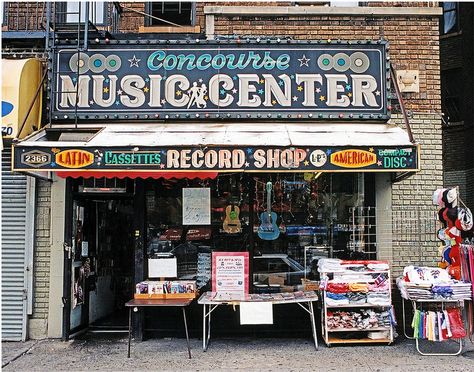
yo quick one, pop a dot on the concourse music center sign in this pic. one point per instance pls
(306, 80)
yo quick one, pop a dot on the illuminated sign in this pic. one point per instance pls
(74, 158)
(221, 159)
(310, 80)
(353, 158)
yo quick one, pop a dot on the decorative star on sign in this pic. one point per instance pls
(146, 89)
(234, 77)
(106, 90)
(247, 164)
(119, 92)
(274, 102)
(292, 77)
(162, 166)
(234, 91)
(260, 91)
(379, 163)
(304, 61)
(318, 90)
(371, 149)
(328, 152)
(200, 81)
(306, 162)
(134, 61)
(262, 81)
(163, 101)
(74, 79)
(249, 150)
(178, 92)
(106, 80)
(281, 82)
(300, 88)
(348, 87)
(91, 102)
(322, 98)
(377, 93)
(117, 103)
(53, 164)
(295, 98)
(147, 80)
(222, 91)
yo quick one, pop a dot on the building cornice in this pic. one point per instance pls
(269, 11)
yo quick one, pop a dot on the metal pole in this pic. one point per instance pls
(402, 104)
(86, 25)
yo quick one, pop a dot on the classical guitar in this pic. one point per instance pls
(268, 229)
(232, 223)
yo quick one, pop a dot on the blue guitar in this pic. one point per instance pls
(268, 229)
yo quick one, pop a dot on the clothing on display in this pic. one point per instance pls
(438, 325)
(361, 319)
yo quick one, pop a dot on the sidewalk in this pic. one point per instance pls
(109, 352)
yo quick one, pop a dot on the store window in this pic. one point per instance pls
(74, 8)
(450, 21)
(313, 215)
(167, 13)
(452, 103)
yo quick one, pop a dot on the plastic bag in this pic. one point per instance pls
(456, 324)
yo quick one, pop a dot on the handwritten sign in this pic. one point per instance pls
(197, 206)
(230, 271)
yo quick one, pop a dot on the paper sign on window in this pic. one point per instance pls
(197, 206)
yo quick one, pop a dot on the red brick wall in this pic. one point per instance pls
(414, 42)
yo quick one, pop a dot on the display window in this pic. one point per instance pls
(297, 219)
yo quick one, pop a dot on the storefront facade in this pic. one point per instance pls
(281, 118)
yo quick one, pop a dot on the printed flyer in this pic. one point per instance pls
(230, 272)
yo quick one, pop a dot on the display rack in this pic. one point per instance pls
(342, 335)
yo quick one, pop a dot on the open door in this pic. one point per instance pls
(77, 269)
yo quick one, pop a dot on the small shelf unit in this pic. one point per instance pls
(336, 335)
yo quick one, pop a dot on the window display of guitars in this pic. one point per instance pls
(268, 229)
(232, 223)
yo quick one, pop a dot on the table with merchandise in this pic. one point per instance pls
(212, 300)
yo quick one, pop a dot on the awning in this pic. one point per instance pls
(21, 97)
(224, 147)
(132, 174)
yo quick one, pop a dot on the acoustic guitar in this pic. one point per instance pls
(268, 229)
(232, 223)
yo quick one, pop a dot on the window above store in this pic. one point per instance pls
(450, 20)
(97, 12)
(170, 16)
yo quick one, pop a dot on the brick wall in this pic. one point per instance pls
(413, 42)
(414, 240)
(38, 322)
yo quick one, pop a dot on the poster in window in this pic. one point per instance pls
(230, 272)
(196, 206)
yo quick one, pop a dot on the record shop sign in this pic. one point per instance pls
(221, 159)
(294, 80)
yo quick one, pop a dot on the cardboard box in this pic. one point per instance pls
(276, 279)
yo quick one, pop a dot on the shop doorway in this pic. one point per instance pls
(100, 264)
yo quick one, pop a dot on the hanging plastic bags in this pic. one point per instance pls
(456, 323)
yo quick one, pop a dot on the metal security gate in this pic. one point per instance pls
(17, 247)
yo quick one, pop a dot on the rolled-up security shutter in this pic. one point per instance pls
(15, 237)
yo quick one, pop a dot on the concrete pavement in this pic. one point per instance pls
(109, 353)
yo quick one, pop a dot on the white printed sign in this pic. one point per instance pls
(197, 206)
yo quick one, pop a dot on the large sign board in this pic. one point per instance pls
(305, 80)
(219, 158)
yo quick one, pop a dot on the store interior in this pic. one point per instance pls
(316, 215)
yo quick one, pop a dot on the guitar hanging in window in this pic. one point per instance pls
(268, 229)
(232, 224)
